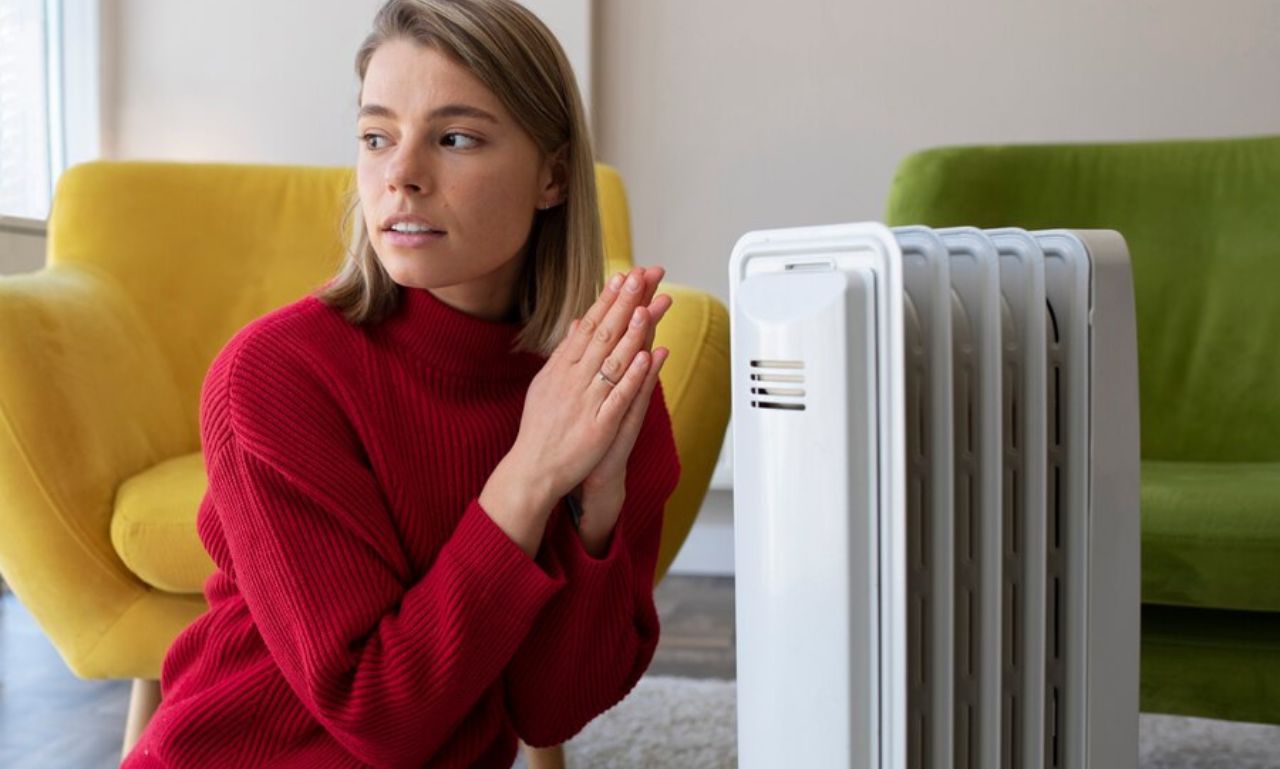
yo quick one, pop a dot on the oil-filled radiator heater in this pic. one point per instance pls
(935, 498)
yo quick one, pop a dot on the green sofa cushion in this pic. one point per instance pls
(1211, 534)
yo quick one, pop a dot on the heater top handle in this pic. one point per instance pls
(926, 273)
(832, 246)
(1022, 279)
(970, 241)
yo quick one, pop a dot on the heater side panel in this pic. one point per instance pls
(976, 342)
(1025, 457)
(1067, 380)
(806, 522)
(1114, 592)
(930, 501)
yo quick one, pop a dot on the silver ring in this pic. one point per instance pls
(607, 379)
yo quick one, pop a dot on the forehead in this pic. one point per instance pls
(411, 78)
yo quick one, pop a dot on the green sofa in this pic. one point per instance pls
(1202, 219)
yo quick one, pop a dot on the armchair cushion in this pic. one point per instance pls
(153, 525)
(1210, 534)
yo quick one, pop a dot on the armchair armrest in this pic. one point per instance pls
(86, 401)
(695, 381)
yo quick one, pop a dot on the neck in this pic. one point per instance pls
(452, 341)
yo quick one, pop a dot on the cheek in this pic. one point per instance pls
(369, 189)
(498, 209)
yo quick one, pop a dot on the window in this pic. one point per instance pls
(49, 83)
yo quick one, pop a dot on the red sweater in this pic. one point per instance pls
(365, 610)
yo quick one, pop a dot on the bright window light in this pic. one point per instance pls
(49, 85)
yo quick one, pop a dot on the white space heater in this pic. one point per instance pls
(935, 498)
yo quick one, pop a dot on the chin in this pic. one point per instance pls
(403, 268)
(413, 281)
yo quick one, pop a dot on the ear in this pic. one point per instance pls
(553, 178)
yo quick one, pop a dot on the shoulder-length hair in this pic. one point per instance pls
(514, 54)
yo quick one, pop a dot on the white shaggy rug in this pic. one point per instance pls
(684, 723)
(667, 723)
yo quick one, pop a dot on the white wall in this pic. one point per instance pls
(255, 81)
(726, 116)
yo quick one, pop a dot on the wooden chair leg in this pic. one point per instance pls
(544, 758)
(143, 701)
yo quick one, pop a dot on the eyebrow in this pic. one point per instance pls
(447, 111)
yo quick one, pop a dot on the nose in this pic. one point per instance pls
(408, 171)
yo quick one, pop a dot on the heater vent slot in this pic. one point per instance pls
(777, 364)
(777, 391)
(784, 406)
(1057, 578)
(788, 398)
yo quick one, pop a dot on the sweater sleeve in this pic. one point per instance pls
(389, 662)
(593, 641)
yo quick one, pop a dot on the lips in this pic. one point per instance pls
(423, 234)
(420, 224)
(411, 239)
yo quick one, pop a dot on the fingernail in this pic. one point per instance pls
(640, 360)
(616, 282)
(633, 283)
(636, 317)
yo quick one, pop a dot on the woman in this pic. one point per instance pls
(401, 580)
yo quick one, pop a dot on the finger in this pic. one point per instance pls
(615, 363)
(657, 309)
(634, 417)
(619, 398)
(652, 277)
(613, 328)
(589, 322)
(573, 346)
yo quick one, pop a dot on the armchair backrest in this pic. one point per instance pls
(1202, 220)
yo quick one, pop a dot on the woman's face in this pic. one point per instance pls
(442, 159)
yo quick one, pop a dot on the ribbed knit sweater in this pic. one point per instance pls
(365, 609)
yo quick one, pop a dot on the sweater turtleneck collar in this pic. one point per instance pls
(449, 340)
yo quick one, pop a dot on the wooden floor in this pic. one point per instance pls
(49, 719)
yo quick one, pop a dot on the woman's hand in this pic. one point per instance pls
(603, 491)
(571, 415)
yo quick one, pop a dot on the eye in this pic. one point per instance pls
(459, 141)
(367, 138)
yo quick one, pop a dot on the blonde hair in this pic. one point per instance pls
(514, 54)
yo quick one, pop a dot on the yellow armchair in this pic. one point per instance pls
(151, 268)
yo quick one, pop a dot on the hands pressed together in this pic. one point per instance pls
(578, 428)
